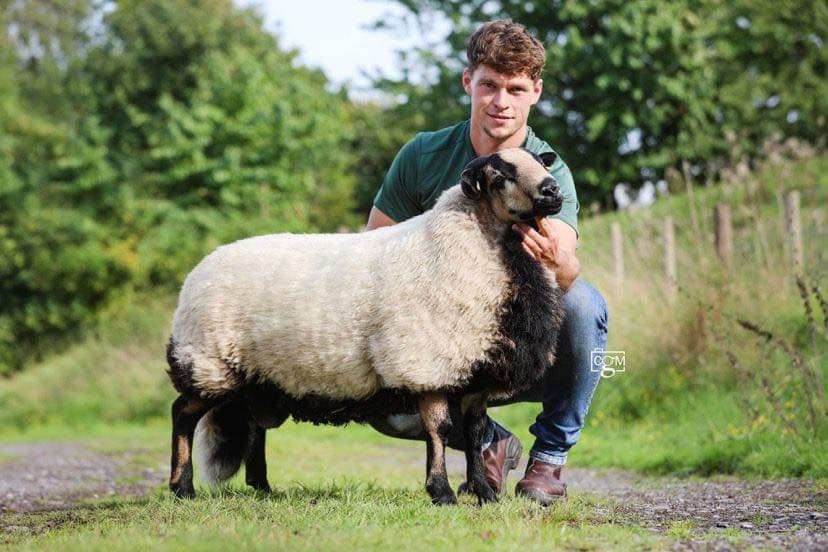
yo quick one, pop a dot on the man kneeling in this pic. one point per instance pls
(503, 81)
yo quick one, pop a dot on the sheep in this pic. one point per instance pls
(334, 328)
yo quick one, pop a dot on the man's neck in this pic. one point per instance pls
(483, 144)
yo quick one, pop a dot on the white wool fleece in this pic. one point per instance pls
(409, 306)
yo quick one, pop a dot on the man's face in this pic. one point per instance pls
(500, 103)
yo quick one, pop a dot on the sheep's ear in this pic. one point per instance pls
(472, 179)
(547, 158)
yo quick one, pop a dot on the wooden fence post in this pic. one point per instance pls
(617, 258)
(793, 229)
(724, 235)
(670, 257)
(264, 193)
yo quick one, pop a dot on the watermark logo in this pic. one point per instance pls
(608, 363)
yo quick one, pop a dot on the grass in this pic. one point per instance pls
(334, 517)
(701, 394)
(114, 375)
(351, 490)
(681, 529)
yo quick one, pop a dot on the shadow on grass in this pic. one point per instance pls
(578, 508)
(312, 494)
(15, 525)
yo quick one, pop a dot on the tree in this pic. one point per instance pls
(633, 88)
(180, 126)
(378, 134)
(770, 65)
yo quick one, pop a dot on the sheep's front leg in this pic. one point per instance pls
(473, 408)
(434, 412)
(186, 412)
(255, 465)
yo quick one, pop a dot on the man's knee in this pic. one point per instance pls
(582, 301)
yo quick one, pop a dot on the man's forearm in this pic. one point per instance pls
(377, 219)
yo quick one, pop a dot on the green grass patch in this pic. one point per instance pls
(333, 489)
(681, 529)
(732, 535)
(343, 515)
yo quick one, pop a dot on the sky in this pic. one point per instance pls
(332, 35)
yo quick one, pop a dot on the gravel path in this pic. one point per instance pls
(703, 514)
(779, 514)
(55, 477)
(787, 514)
(49, 476)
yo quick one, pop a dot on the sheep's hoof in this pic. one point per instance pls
(486, 495)
(260, 486)
(444, 500)
(482, 490)
(441, 493)
(183, 491)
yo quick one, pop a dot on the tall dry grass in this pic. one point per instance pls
(754, 335)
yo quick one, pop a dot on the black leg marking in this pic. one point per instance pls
(186, 412)
(255, 465)
(474, 426)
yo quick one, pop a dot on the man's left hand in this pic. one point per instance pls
(553, 244)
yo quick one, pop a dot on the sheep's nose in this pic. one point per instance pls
(550, 199)
(548, 188)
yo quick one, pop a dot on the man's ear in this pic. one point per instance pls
(537, 89)
(547, 158)
(473, 180)
(466, 80)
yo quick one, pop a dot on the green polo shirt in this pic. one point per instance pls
(432, 162)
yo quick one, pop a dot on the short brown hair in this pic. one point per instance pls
(507, 48)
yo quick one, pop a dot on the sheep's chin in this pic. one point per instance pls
(526, 218)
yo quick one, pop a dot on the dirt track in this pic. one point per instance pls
(786, 514)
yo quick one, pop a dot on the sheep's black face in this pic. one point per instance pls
(515, 182)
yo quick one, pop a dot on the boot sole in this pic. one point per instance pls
(513, 454)
(542, 498)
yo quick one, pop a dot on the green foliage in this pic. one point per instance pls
(771, 63)
(57, 270)
(179, 126)
(377, 137)
(207, 111)
(632, 89)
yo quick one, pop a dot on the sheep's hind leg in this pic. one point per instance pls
(186, 412)
(473, 408)
(437, 422)
(255, 465)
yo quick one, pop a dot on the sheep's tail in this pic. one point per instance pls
(222, 440)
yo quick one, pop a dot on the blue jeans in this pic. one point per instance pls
(565, 392)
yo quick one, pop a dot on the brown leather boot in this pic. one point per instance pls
(500, 458)
(542, 482)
